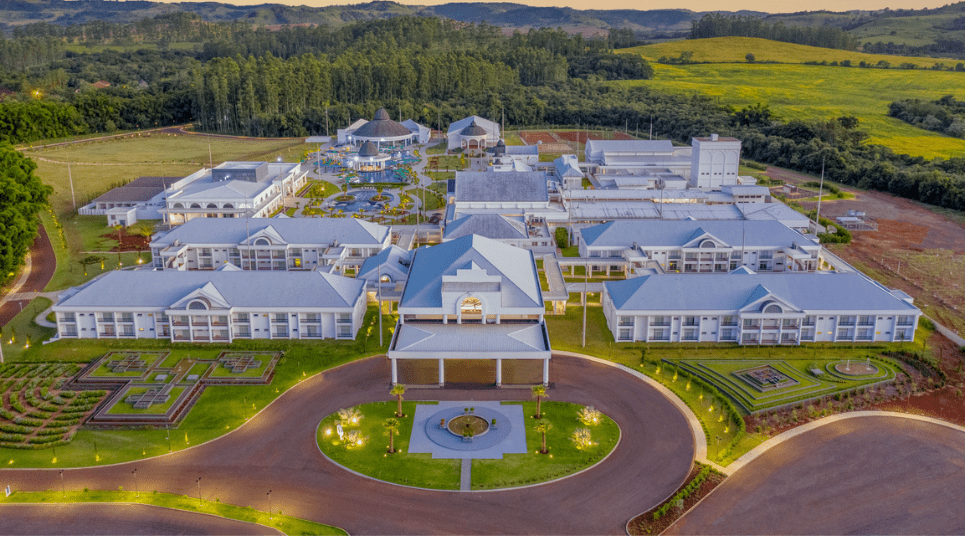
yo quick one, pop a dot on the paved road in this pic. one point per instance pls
(43, 264)
(277, 450)
(119, 519)
(868, 475)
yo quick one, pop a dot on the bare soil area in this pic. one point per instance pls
(916, 248)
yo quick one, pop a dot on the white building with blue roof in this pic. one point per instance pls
(471, 311)
(216, 306)
(749, 308)
(269, 244)
(716, 246)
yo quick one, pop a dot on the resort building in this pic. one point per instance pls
(281, 244)
(140, 199)
(702, 246)
(748, 308)
(471, 311)
(233, 190)
(473, 132)
(522, 196)
(511, 230)
(567, 170)
(368, 158)
(218, 306)
(382, 131)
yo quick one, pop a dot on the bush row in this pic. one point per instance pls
(32, 446)
(923, 365)
(683, 494)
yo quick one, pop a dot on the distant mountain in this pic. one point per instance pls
(902, 27)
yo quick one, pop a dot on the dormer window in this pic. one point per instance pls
(708, 244)
(773, 308)
(198, 305)
(262, 242)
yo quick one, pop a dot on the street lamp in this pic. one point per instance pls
(269, 504)
(63, 488)
(199, 491)
(134, 472)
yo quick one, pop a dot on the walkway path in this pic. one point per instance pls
(871, 474)
(36, 274)
(277, 450)
(120, 519)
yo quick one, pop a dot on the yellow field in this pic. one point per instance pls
(810, 92)
(735, 49)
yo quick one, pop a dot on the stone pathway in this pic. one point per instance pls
(465, 478)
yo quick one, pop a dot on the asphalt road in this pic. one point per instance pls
(277, 451)
(119, 519)
(868, 475)
(43, 265)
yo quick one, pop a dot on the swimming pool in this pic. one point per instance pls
(363, 200)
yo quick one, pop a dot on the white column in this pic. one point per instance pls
(499, 372)
(546, 372)
(395, 371)
(442, 372)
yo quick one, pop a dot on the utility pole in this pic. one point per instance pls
(326, 120)
(70, 178)
(817, 215)
(586, 298)
(210, 158)
(380, 305)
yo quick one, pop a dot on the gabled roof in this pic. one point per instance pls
(630, 146)
(392, 259)
(144, 288)
(520, 284)
(663, 233)
(321, 231)
(486, 124)
(495, 226)
(731, 292)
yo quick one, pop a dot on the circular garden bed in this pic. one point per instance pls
(363, 448)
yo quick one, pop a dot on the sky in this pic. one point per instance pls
(770, 6)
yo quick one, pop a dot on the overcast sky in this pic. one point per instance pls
(770, 6)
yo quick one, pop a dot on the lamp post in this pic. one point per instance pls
(136, 493)
(63, 488)
(269, 504)
(199, 491)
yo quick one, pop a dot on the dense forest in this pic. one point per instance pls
(22, 197)
(945, 115)
(719, 25)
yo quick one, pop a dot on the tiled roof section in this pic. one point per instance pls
(662, 233)
(144, 288)
(292, 231)
(501, 186)
(495, 226)
(729, 292)
(392, 257)
(368, 149)
(631, 146)
(470, 337)
(140, 189)
(520, 284)
(473, 130)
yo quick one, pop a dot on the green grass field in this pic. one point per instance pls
(735, 50)
(810, 92)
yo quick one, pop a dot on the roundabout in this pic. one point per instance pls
(277, 450)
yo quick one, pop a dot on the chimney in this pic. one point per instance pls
(713, 137)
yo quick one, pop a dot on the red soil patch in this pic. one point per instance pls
(644, 523)
(130, 242)
(532, 137)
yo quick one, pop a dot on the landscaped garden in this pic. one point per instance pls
(218, 410)
(363, 446)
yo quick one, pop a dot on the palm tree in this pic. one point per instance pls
(539, 393)
(542, 426)
(143, 232)
(397, 391)
(91, 259)
(392, 428)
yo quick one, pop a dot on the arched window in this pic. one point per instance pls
(198, 305)
(178, 205)
(708, 244)
(386, 279)
(212, 205)
(773, 309)
(262, 242)
(195, 205)
(471, 306)
(228, 205)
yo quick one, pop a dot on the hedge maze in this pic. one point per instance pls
(36, 412)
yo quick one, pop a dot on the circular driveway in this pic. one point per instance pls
(865, 475)
(276, 450)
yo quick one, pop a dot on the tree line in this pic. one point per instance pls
(22, 197)
(945, 115)
(719, 25)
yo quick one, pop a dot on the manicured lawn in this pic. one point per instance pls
(219, 410)
(23, 330)
(122, 407)
(221, 372)
(104, 371)
(321, 190)
(371, 459)
(438, 148)
(422, 471)
(198, 369)
(441, 175)
(563, 459)
(286, 524)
